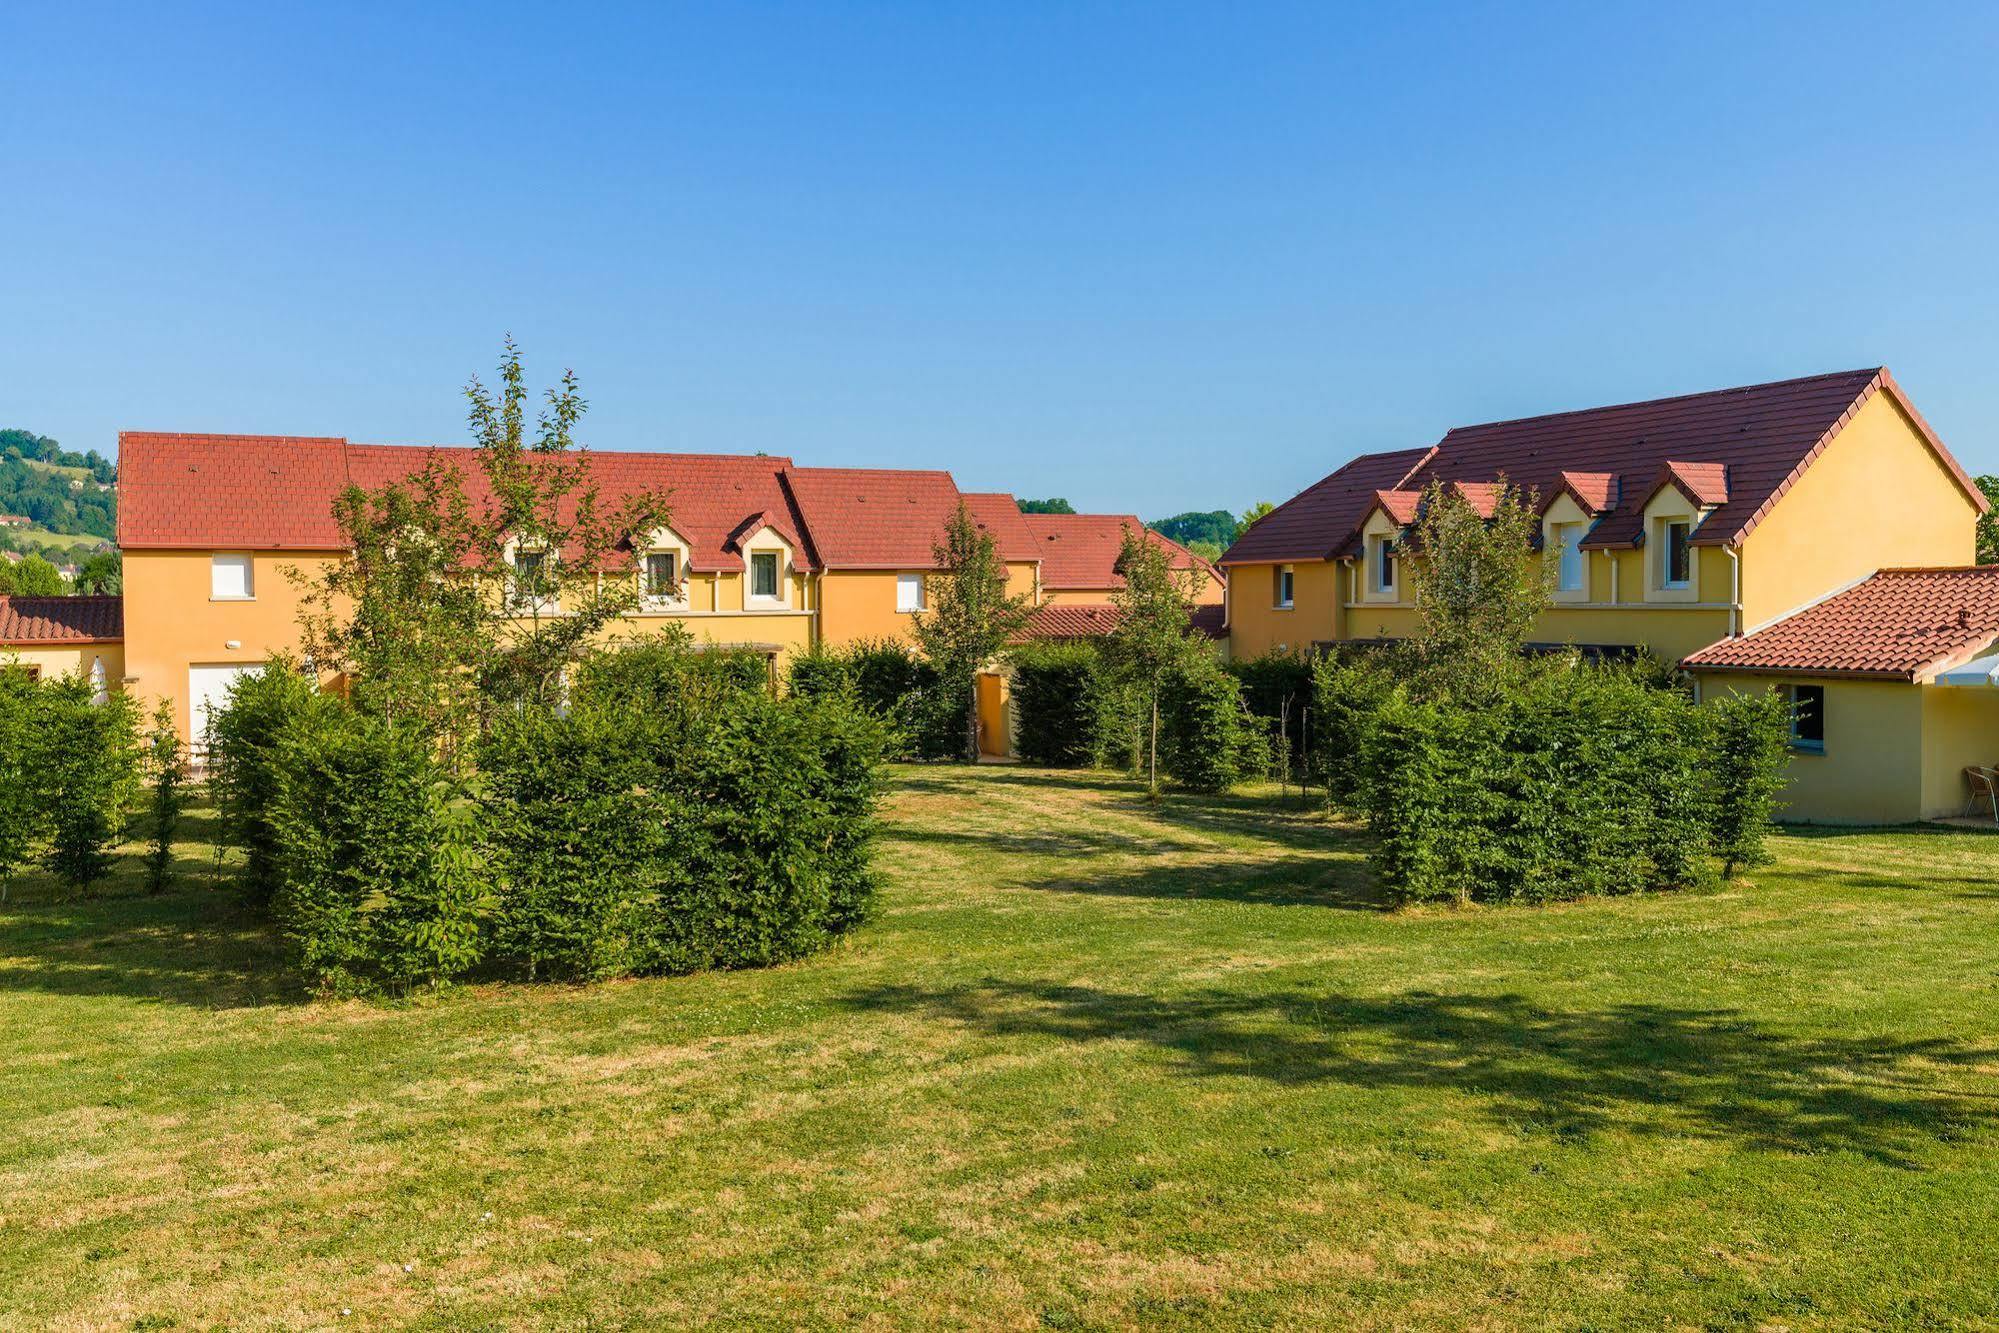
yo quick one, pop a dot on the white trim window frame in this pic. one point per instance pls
(912, 593)
(525, 602)
(662, 580)
(1284, 588)
(1676, 554)
(1381, 565)
(756, 563)
(1571, 573)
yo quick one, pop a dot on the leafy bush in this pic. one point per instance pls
(1208, 739)
(20, 811)
(166, 768)
(1278, 687)
(890, 679)
(1056, 688)
(666, 669)
(1580, 781)
(1348, 690)
(378, 878)
(243, 764)
(84, 758)
(626, 840)
(1749, 754)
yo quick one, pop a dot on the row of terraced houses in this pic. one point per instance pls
(1812, 536)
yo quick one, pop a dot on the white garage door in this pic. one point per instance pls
(208, 690)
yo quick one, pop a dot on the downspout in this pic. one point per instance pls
(1734, 589)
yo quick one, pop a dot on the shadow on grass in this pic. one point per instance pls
(1630, 1068)
(1255, 848)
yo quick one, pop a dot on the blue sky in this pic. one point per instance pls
(1149, 257)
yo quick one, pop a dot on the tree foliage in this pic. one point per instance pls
(1215, 526)
(1988, 522)
(85, 763)
(1153, 632)
(1478, 583)
(1052, 506)
(166, 775)
(972, 617)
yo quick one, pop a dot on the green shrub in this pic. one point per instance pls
(378, 880)
(1348, 690)
(1056, 689)
(166, 769)
(242, 757)
(20, 810)
(1209, 741)
(666, 669)
(84, 761)
(1278, 688)
(629, 841)
(890, 679)
(1750, 750)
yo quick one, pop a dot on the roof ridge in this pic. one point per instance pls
(1668, 398)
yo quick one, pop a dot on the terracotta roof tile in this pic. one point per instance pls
(999, 514)
(1594, 492)
(874, 518)
(43, 620)
(1081, 550)
(1313, 522)
(1060, 621)
(1902, 624)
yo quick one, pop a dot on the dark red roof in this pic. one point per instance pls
(1081, 550)
(46, 620)
(1742, 447)
(1311, 523)
(1900, 624)
(999, 513)
(1058, 621)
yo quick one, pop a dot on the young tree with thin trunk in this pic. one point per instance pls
(1153, 633)
(971, 618)
(448, 606)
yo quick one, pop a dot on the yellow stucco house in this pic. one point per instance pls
(1680, 526)
(756, 551)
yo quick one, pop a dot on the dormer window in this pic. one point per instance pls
(763, 574)
(1567, 541)
(662, 576)
(1676, 552)
(1381, 564)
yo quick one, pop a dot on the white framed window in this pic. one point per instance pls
(910, 594)
(659, 575)
(534, 583)
(1567, 539)
(1381, 568)
(1676, 553)
(1807, 717)
(231, 578)
(763, 575)
(1285, 585)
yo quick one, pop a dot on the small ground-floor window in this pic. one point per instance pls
(1807, 718)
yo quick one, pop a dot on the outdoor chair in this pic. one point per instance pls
(1983, 784)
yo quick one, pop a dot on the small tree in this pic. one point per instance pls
(36, 577)
(1153, 634)
(972, 616)
(166, 762)
(1988, 523)
(1478, 582)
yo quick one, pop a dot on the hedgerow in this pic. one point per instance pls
(1277, 686)
(925, 712)
(242, 752)
(84, 757)
(1209, 741)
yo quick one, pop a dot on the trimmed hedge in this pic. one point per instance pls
(1278, 687)
(379, 882)
(1580, 781)
(1209, 741)
(84, 767)
(890, 679)
(243, 764)
(627, 842)
(663, 671)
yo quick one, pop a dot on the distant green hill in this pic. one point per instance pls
(58, 491)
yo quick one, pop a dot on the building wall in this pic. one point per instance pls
(1960, 728)
(1209, 591)
(51, 660)
(1874, 768)
(171, 622)
(860, 603)
(1877, 497)
(1257, 625)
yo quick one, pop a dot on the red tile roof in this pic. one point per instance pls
(45, 620)
(1058, 621)
(262, 492)
(1901, 624)
(874, 518)
(999, 513)
(1317, 519)
(1081, 550)
(1737, 449)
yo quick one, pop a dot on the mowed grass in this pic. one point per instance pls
(1098, 1065)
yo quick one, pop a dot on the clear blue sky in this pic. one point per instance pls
(1149, 257)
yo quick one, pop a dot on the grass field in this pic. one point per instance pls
(1097, 1065)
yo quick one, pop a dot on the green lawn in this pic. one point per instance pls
(1097, 1065)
